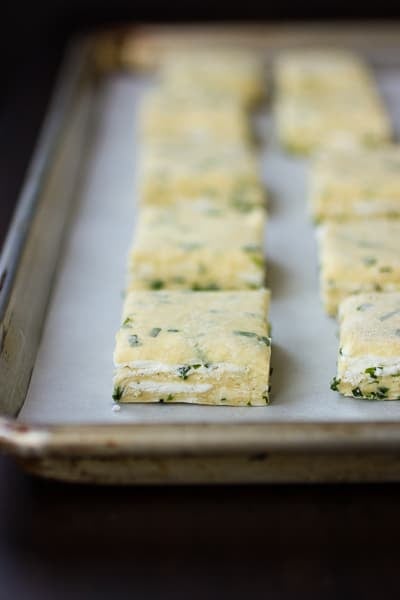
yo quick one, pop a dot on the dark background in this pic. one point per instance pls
(62, 542)
(59, 541)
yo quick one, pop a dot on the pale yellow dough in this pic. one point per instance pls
(369, 355)
(354, 184)
(162, 98)
(197, 245)
(196, 123)
(199, 348)
(351, 118)
(238, 74)
(357, 257)
(327, 98)
(224, 173)
(319, 71)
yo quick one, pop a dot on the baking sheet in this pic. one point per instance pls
(71, 381)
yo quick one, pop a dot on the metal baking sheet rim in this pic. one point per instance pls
(178, 453)
(203, 453)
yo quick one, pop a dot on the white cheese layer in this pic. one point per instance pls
(170, 388)
(352, 369)
(150, 367)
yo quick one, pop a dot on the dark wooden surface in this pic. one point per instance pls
(62, 541)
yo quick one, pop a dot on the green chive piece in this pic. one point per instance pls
(183, 371)
(252, 248)
(127, 323)
(196, 287)
(257, 260)
(382, 392)
(154, 332)
(334, 384)
(365, 306)
(117, 393)
(250, 334)
(246, 333)
(357, 393)
(389, 315)
(133, 340)
(369, 261)
(372, 372)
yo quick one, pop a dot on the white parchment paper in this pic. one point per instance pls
(72, 378)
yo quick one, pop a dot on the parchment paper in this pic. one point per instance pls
(72, 378)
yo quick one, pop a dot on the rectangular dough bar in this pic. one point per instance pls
(237, 73)
(357, 183)
(200, 348)
(319, 71)
(198, 246)
(172, 172)
(369, 355)
(195, 124)
(162, 98)
(345, 119)
(359, 256)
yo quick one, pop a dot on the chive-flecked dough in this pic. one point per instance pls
(235, 73)
(327, 99)
(162, 99)
(226, 173)
(197, 246)
(199, 348)
(356, 257)
(355, 184)
(194, 124)
(369, 354)
(307, 123)
(318, 71)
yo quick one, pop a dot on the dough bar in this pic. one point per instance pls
(355, 184)
(194, 347)
(197, 245)
(171, 172)
(369, 354)
(327, 98)
(359, 256)
(236, 73)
